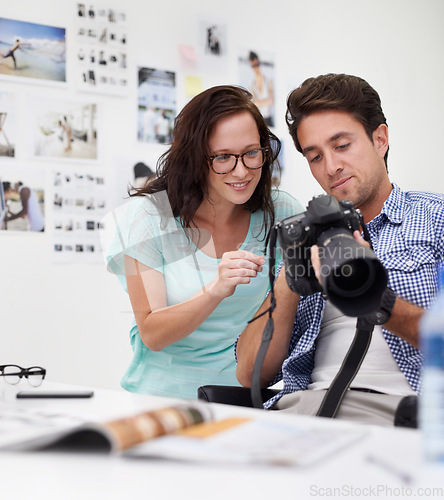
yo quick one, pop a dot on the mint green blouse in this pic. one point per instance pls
(145, 229)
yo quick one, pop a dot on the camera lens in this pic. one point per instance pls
(352, 278)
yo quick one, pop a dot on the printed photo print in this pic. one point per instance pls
(156, 105)
(101, 47)
(256, 73)
(63, 129)
(212, 45)
(22, 199)
(79, 204)
(32, 50)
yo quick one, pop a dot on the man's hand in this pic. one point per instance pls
(316, 260)
(405, 317)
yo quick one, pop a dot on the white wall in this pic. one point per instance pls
(73, 318)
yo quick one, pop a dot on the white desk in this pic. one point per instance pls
(351, 473)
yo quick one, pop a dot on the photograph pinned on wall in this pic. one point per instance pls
(32, 50)
(256, 73)
(156, 100)
(63, 129)
(212, 45)
(79, 205)
(101, 50)
(8, 129)
(22, 200)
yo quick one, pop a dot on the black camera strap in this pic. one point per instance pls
(349, 368)
(256, 395)
(352, 361)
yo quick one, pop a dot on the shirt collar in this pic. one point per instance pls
(394, 205)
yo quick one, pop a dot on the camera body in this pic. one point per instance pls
(352, 276)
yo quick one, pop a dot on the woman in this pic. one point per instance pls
(262, 89)
(190, 245)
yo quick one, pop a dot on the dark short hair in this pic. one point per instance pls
(252, 56)
(183, 170)
(142, 170)
(340, 92)
(6, 186)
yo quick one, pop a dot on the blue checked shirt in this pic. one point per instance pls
(408, 238)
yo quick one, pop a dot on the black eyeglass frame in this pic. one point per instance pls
(23, 372)
(241, 156)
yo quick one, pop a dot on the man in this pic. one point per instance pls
(67, 131)
(337, 123)
(30, 205)
(17, 45)
(162, 128)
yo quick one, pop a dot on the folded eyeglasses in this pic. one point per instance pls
(12, 374)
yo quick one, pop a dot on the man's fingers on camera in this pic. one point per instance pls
(316, 261)
(358, 237)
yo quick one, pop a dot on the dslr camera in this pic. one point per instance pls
(352, 277)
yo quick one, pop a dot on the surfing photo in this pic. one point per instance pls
(32, 50)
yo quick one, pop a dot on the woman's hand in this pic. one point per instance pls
(235, 268)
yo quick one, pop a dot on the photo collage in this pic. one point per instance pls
(51, 177)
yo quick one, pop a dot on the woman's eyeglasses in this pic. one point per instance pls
(226, 162)
(12, 374)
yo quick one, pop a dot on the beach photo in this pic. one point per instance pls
(32, 50)
(63, 129)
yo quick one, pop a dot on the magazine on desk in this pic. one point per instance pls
(183, 432)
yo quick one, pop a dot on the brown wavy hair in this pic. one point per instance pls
(183, 170)
(338, 92)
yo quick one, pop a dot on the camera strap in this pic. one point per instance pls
(256, 395)
(349, 368)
